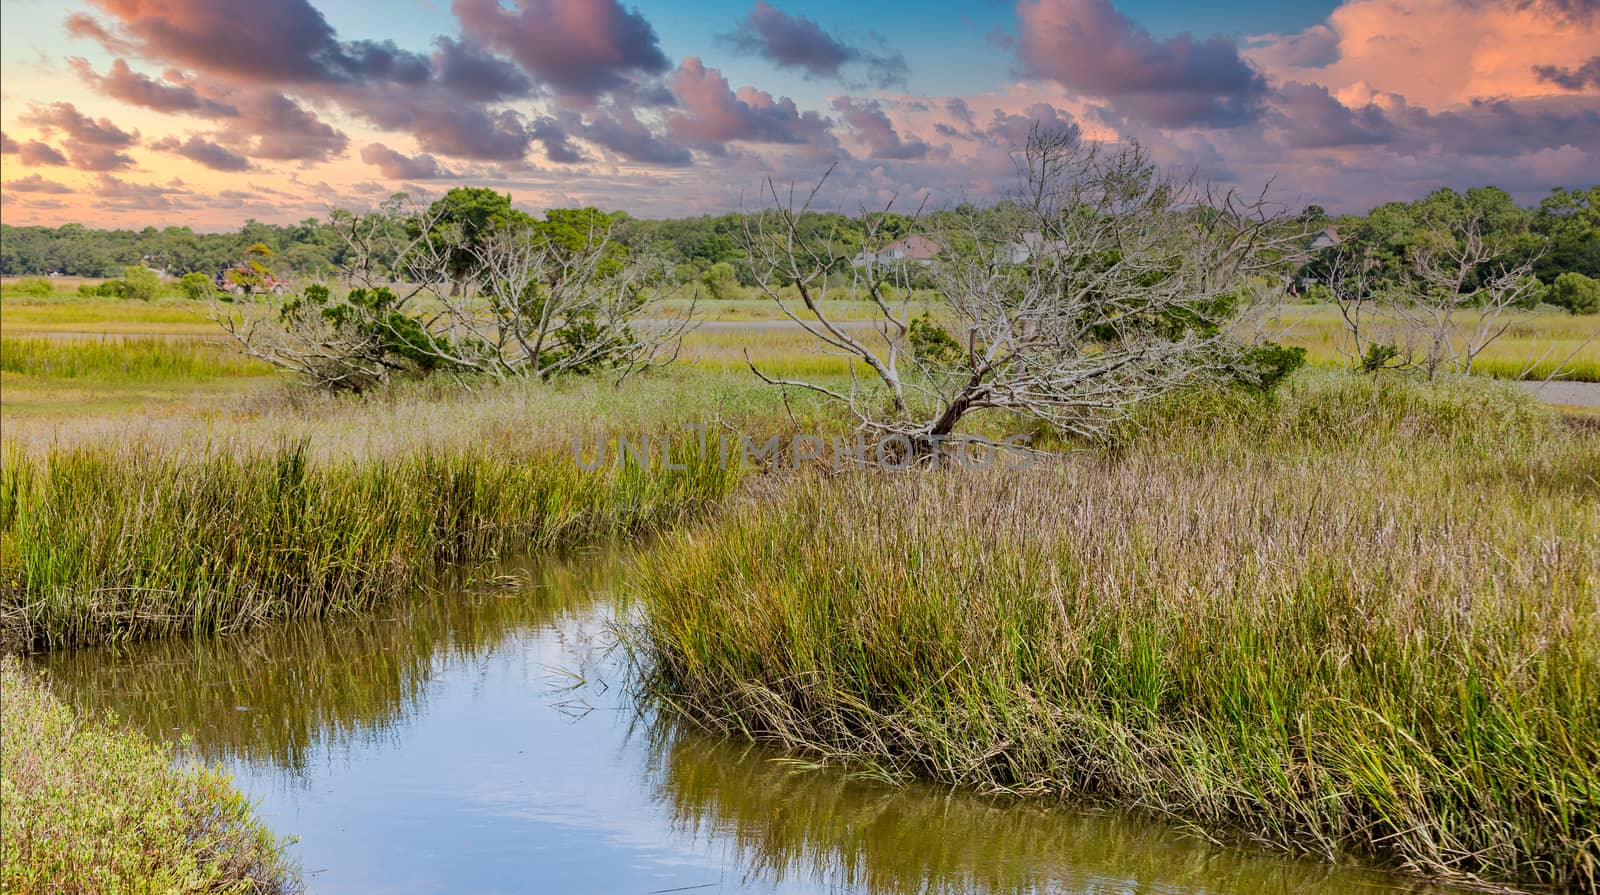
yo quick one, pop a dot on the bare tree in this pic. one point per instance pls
(1113, 284)
(1457, 294)
(530, 303)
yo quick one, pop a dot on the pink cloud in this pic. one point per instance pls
(1091, 48)
(711, 114)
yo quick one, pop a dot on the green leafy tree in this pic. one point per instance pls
(460, 220)
(721, 281)
(1568, 223)
(141, 282)
(196, 286)
(255, 275)
(1575, 292)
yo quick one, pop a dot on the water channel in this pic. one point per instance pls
(481, 739)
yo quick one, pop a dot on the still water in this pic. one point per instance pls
(482, 740)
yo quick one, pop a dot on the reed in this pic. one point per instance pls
(106, 543)
(1362, 620)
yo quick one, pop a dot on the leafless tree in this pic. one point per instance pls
(1114, 284)
(530, 304)
(1457, 294)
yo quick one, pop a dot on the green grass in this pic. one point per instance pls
(107, 543)
(1536, 345)
(56, 379)
(88, 807)
(145, 360)
(20, 315)
(1359, 621)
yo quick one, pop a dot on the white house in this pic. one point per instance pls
(913, 249)
(1031, 244)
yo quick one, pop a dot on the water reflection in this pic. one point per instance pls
(783, 822)
(275, 696)
(478, 740)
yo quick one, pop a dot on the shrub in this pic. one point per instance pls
(721, 281)
(107, 289)
(38, 287)
(1534, 294)
(90, 808)
(196, 286)
(1318, 293)
(1268, 364)
(1577, 293)
(140, 282)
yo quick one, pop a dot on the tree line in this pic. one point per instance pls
(1560, 234)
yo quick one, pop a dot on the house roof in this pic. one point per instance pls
(915, 246)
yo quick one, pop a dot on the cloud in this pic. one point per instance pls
(1315, 47)
(273, 126)
(285, 41)
(618, 129)
(1436, 53)
(793, 41)
(1312, 118)
(204, 152)
(1091, 48)
(34, 183)
(712, 114)
(397, 166)
(66, 118)
(120, 194)
(1580, 77)
(867, 119)
(579, 47)
(475, 73)
(1499, 127)
(131, 87)
(444, 124)
(557, 143)
(92, 144)
(34, 153)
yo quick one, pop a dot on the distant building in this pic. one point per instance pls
(1327, 239)
(1032, 244)
(913, 249)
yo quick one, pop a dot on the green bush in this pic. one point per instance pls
(38, 287)
(721, 281)
(196, 286)
(140, 282)
(1318, 293)
(1577, 293)
(107, 289)
(1267, 364)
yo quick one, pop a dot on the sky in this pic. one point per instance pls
(205, 113)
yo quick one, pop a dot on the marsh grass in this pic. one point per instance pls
(21, 315)
(1362, 620)
(90, 808)
(138, 360)
(1537, 345)
(106, 543)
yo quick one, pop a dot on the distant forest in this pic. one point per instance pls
(1564, 229)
